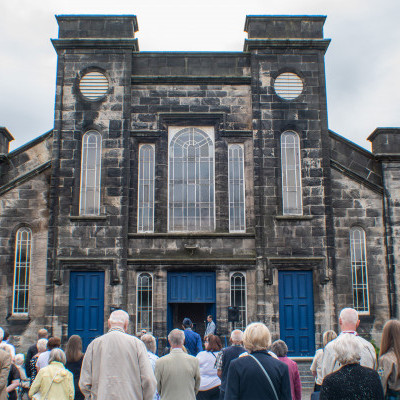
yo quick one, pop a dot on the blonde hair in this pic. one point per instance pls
(149, 341)
(328, 336)
(256, 337)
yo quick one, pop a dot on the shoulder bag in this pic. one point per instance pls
(38, 396)
(267, 376)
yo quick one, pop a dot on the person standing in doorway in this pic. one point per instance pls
(211, 328)
(192, 339)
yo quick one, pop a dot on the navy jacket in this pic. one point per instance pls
(192, 342)
(247, 381)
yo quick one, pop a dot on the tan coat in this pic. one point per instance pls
(115, 367)
(388, 371)
(178, 376)
(5, 363)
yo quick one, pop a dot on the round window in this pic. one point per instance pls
(93, 85)
(289, 86)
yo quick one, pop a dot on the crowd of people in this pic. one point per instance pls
(117, 365)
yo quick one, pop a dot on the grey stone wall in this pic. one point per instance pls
(355, 204)
(24, 201)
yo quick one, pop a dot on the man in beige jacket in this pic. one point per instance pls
(116, 365)
(5, 363)
(178, 373)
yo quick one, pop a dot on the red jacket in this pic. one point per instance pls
(295, 384)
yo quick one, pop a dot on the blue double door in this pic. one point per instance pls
(86, 305)
(296, 312)
(191, 295)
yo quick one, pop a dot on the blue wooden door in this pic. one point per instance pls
(86, 305)
(296, 312)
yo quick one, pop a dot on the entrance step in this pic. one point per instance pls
(306, 378)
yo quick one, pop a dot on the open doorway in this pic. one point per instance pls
(197, 312)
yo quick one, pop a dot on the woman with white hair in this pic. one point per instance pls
(351, 381)
(54, 381)
(42, 348)
(257, 375)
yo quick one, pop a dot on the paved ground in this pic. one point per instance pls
(306, 394)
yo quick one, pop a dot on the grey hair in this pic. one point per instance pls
(279, 347)
(57, 355)
(149, 341)
(1, 334)
(349, 316)
(19, 359)
(42, 344)
(176, 337)
(237, 335)
(347, 348)
(119, 317)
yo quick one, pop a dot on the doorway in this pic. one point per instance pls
(191, 295)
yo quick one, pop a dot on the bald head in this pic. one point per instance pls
(237, 336)
(119, 318)
(348, 319)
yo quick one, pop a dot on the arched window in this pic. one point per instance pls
(144, 314)
(291, 174)
(146, 189)
(359, 275)
(90, 174)
(236, 188)
(238, 298)
(22, 266)
(191, 179)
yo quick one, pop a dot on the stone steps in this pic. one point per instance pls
(306, 378)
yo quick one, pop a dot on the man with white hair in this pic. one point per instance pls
(225, 357)
(116, 365)
(348, 322)
(177, 373)
(5, 364)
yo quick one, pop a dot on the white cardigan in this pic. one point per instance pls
(208, 374)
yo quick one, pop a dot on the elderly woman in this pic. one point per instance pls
(42, 347)
(150, 343)
(280, 348)
(13, 380)
(209, 381)
(316, 366)
(258, 375)
(54, 381)
(351, 381)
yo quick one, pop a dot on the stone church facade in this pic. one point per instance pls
(178, 184)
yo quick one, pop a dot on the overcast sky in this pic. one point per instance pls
(362, 62)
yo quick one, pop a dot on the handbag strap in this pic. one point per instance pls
(48, 390)
(266, 374)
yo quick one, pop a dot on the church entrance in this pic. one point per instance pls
(190, 295)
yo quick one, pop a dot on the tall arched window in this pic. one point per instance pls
(359, 275)
(291, 174)
(90, 174)
(238, 298)
(191, 179)
(144, 314)
(146, 189)
(236, 188)
(22, 266)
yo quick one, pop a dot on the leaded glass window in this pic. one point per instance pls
(90, 174)
(146, 189)
(291, 174)
(238, 298)
(144, 319)
(236, 188)
(359, 270)
(22, 266)
(191, 179)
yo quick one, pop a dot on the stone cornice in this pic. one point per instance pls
(61, 44)
(190, 80)
(305, 44)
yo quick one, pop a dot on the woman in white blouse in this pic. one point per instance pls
(209, 381)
